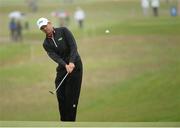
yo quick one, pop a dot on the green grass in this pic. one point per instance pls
(148, 97)
(131, 74)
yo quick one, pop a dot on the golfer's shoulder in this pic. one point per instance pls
(62, 29)
(45, 43)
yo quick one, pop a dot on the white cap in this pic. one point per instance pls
(42, 21)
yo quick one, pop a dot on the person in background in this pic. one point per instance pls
(63, 18)
(155, 6)
(19, 31)
(12, 28)
(145, 6)
(79, 17)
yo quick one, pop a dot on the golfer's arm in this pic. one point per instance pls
(54, 56)
(72, 44)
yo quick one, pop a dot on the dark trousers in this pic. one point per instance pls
(155, 11)
(81, 23)
(69, 91)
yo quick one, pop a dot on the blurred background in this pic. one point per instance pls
(130, 50)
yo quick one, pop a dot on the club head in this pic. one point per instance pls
(51, 92)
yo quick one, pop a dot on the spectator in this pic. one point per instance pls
(19, 31)
(145, 6)
(12, 27)
(155, 6)
(79, 17)
(63, 18)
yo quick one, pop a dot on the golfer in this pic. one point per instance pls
(61, 47)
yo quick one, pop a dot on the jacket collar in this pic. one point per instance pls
(52, 35)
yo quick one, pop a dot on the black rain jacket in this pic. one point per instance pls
(62, 47)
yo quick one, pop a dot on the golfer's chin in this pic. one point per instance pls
(49, 34)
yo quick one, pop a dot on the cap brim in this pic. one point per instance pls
(42, 25)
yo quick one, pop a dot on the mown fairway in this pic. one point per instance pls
(130, 74)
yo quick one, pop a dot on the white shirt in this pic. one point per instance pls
(145, 3)
(155, 3)
(79, 15)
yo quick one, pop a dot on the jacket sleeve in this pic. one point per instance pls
(54, 56)
(72, 44)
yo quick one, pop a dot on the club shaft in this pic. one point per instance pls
(61, 82)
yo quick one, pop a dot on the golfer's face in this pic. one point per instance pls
(47, 28)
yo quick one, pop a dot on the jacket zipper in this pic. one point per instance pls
(54, 41)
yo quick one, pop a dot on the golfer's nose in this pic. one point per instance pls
(45, 28)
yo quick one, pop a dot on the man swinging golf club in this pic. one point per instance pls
(60, 46)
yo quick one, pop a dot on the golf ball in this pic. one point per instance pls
(107, 31)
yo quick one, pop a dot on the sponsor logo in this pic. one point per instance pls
(40, 21)
(60, 39)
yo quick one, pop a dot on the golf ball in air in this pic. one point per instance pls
(107, 31)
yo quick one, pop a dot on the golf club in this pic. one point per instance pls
(53, 92)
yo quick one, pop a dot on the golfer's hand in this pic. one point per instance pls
(69, 67)
(72, 65)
